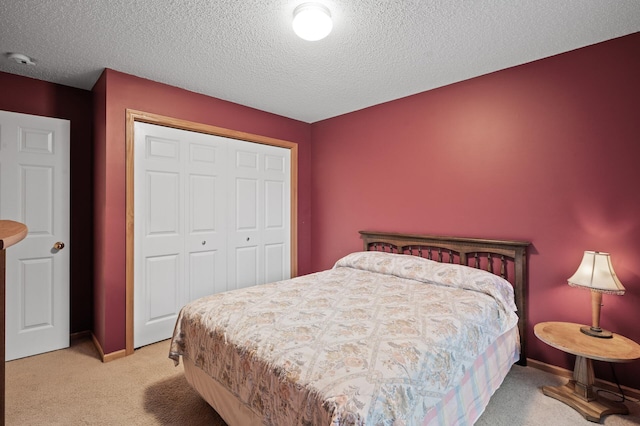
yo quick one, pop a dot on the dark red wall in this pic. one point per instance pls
(30, 96)
(547, 152)
(115, 92)
(101, 241)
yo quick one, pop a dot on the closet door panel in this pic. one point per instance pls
(162, 203)
(204, 275)
(163, 267)
(247, 270)
(206, 236)
(162, 280)
(244, 238)
(203, 255)
(277, 214)
(159, 233)
(274, 218)
(260, 212)
(245, 208)
(275, 262)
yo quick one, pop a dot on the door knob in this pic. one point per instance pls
(59, 245)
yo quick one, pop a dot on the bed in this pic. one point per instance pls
(411, 330)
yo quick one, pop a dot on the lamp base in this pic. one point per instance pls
(596, 332)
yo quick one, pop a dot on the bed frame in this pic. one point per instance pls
(505, 258)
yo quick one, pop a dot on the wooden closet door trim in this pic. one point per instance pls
(131, 117)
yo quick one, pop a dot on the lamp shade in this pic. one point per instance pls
(312, 21)
(596, 273)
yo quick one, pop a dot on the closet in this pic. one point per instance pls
(211, 214)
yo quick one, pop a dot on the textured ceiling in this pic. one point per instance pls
(245, 51)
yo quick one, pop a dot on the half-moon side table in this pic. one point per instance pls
(10, 233)
(578, 393)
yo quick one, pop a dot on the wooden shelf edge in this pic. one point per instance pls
(11, 232)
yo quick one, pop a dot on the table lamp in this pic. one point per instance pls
(596, 273)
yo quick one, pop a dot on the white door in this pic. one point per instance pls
(34, 190)
(180, 237)
(258, 216)
(211, 214)
(205, 229)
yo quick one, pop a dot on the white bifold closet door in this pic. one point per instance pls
(211, 214)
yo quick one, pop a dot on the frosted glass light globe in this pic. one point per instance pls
(312, 21)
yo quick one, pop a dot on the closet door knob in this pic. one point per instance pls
(59, 245)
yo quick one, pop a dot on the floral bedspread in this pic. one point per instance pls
(377, 340)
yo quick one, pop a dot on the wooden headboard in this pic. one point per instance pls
(505, 258)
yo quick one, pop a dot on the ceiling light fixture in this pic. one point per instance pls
(20, 58)
(312, 21)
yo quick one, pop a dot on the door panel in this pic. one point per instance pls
(274, 255)
(202, 274)
(246, 267)
(246, 204)
(246, 160)
(163, 275)
(163, 203)
(277, 216)
(179, 225)
(274, 205)
(34, 189)
(206, 236)
(159, 232)
(261, 218)
(202, 209)
(36, 293)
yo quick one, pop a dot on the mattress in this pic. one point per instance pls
(379, 339)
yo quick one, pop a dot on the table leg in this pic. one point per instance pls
(579, 394)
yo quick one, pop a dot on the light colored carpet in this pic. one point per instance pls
(520, 402)
(73, 387)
